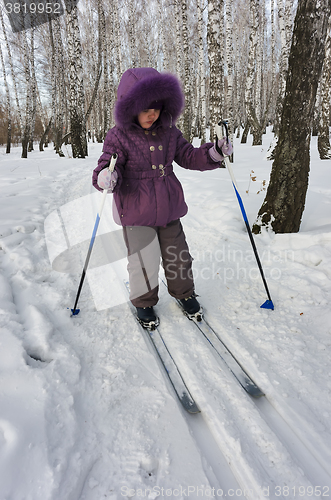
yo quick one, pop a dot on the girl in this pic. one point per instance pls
(148, 197)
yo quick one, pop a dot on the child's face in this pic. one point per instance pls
(147, 117)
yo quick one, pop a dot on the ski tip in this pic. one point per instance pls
(74, 312)
(268, 304)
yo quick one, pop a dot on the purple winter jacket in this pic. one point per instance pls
(147, 192)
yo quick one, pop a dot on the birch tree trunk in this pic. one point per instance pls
(216, 72)
(285, 25)
(60, 96)
(285, 199)
(229, 64)
(28, 107)
(251, 67)
(187, 129)
(202, 73)
(7, 102)
(132, 34)
(165, 61)
(179, 54)
(323, 141)
(57, 106)
(12, 73)
(76, 110)
(117, 41)
(33, 91)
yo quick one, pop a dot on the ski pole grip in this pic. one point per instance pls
(113, 162)
(218, 131)
(224, 123)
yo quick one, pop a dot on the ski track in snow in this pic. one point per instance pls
(86, 412)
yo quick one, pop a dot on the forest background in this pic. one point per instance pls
(232, 57)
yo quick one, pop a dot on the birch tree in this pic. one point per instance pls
(201, 75)
(28, 103)
(57, 72)
(162, 17)
(216, 70)
(132, 34)
(8, 102)
(285, 27)
(33, 110)
(117, 40)
(323, 141)
(229, 66)
(251, 66)
(77, 117)
(285, 199)
(187, 111)
(12, 72)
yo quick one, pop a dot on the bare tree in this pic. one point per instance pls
(8, 101)
(285, 27)
(323, 140)
(201, 76)
(187, 129)
(251, 67)
(28, 103)
(285, 199)
(77, 116)
(33, 90)
(216, 69)
(229, 64)
(12, 72)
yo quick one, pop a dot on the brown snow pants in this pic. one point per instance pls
(145, 247)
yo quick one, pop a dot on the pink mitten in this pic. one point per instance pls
(107, 180)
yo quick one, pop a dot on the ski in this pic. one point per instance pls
(227, 356)
(170, 367)
(216, 343)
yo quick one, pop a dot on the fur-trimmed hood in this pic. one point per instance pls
(139, 87)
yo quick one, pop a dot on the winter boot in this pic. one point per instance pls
(191, 307)
(147, 318)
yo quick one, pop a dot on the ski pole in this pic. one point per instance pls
(111, 167)
(268, 304)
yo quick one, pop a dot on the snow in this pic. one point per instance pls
(86, 412)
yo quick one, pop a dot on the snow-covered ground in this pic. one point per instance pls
(86, 412)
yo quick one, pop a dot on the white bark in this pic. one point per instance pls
(33, 90)
(162, 18)
(117, 41)
(229, 65)
(132, 34)
(179, 47)
(202, 74)
(285, 26)
(215, 7)
(187, 131)
(7, 101)
(251, 68)
(28, 108)
(77, 115)
(324, 121)
(12, 73)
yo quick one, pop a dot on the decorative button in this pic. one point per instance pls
(153, 133)
(152, 148)
(160, 147)
(161, 166)
(154, 167)
(146, 132)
